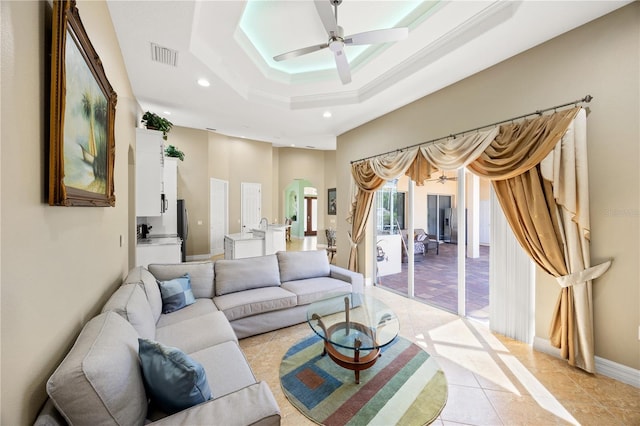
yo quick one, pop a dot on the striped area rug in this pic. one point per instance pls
(405, 386)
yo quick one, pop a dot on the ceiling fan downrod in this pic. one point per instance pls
(335, 4)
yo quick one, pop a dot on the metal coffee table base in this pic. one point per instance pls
(355, 363)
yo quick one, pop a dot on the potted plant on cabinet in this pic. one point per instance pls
(155, 122)
(172, 151)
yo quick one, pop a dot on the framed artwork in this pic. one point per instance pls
(83, 106)
(331, 203)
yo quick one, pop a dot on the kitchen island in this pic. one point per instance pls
(258, 242)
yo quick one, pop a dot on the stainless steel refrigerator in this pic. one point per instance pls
(183, 226)
(451, 225)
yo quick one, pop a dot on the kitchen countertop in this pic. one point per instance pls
(244, 236)
(159, 240)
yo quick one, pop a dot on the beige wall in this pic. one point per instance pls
(330, 181)
(306, 164)
(602, 59)
(242, 160)
(193, 184)
(59, 264)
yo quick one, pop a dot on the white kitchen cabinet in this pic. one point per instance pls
(161, 252)
(149, 169)
(167, 223)
(274, 238)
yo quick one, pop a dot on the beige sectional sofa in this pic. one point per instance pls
(101, 380)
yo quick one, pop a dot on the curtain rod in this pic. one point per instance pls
(586, 99)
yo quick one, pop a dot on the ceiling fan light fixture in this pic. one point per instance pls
(336, 46)
(337, 41)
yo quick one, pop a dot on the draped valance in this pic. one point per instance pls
(538, 170)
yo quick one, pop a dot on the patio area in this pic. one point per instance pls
(436, 281)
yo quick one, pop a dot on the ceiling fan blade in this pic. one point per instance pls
(377, 36)
(300, 52)
(343, 66)
(327, 16)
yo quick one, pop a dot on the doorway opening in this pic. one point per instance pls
(302, 213)
(311, 215)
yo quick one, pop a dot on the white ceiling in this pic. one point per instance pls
(252, 96)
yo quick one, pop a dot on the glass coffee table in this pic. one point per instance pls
(354, 327)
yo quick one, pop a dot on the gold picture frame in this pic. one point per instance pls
(83, 105)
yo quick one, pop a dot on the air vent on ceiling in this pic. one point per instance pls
(164, 55)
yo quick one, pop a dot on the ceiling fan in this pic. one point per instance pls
(337, 41)
(442, 179)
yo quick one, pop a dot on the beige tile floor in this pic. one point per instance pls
(492, 380)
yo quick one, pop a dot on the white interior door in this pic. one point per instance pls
(219, 215)
(251, 196)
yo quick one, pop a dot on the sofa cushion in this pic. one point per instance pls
(255, 301)
(312, 289)
(227, 368)
(201, 275)
(176, 293)
(246, 274)
(197, 333)
(140, 275)
(175, 381)
(264, 410)
(298, 265)
(129, 301)
(198, 308)
(99, 381)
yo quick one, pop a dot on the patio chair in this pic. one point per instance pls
(429, 241)
(331, 243)
(419, 249)
(287, 232)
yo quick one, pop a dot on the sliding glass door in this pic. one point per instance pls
(390, 204)
(435, 227)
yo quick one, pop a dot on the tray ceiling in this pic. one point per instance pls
(168, 46)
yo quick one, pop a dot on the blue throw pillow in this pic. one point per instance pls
(176, 293)
(173, 379)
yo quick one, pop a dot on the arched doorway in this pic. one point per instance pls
(301, 207)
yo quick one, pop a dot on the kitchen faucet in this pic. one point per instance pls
(266, 223)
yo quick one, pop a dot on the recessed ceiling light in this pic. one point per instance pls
(293, 144)
(204, 82)
(326, 114)
(167, 112)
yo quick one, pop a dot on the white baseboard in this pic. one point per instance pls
(620, 372)
(612, 369)
(197, 257)
(544, 345)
